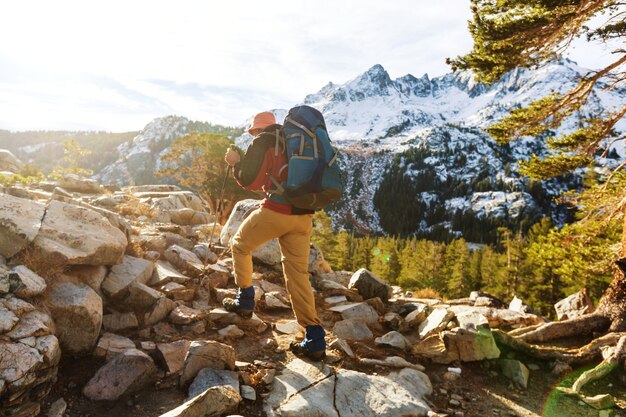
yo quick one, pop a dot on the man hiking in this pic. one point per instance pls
(263, 167)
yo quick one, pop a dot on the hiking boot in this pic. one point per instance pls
(242, 304)
(313, 346)
(315, 355)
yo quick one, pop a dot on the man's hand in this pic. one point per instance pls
(232, 157)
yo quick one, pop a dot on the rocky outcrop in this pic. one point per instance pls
(29, 356)
(75, 235)
(73, 182)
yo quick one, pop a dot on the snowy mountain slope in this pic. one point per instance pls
(461, 169)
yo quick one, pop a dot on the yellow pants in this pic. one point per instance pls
(294, 234)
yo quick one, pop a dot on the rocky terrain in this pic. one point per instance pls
(110, 305)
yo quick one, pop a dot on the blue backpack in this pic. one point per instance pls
(313, 176)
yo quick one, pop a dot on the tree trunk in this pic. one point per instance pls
(579, 326)
(613, 302)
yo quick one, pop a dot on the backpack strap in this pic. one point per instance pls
(280, 140)
(301, 126)
(334, 158)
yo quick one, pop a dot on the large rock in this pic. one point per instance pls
(122, 276)
(459, 345)
(92, 275)
(307, 389)
(29, 357)
(184, 260)
(125, 374)
(213, 402)
(269, 252)
(73, 182)
(360, 311)
(206, 354)
(369, 285)
(574, 306)
(164, 273)
(78, 236)
(77, 312)
(352, 329)
(172, 355)
(359, 394)
(208, 378)
(20, 221)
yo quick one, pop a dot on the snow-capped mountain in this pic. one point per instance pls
(414, 155)
(417, 160)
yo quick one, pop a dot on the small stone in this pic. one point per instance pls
(454, 403)
(111, 344)
(57, 408)
(451, 376)
(232, 331)
(515, 370)
(29, 283)
(248, 392)
(268, 376)
(290, 327)
(533, 367)
(336, 299)
(392, 339)
(342, 345)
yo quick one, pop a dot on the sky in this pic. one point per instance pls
(116, 65)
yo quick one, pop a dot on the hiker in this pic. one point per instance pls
(263, 167)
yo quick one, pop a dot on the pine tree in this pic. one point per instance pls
(73, 162)
(514, 33)
(324, 237)
(456, 269)
(345, 243)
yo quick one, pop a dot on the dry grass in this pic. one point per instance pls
(135, 249)
(135, 208)
(45, 266)
(428, 293)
